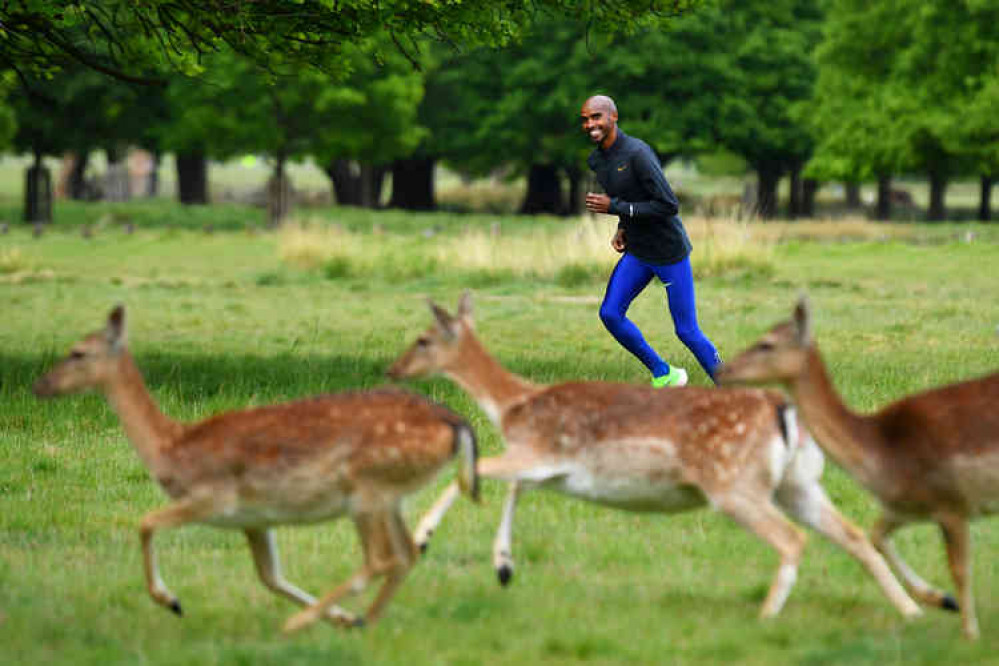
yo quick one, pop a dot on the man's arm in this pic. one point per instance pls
(662, 202)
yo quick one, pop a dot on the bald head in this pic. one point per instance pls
(599, 120)
(601, 103)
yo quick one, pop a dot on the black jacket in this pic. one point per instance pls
(642, 199)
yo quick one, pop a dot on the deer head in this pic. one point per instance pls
(438, 349)
(90, 362)
(779, 356)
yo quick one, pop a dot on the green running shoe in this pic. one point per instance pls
(676, 377)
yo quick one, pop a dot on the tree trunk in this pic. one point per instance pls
(117, 187)
(938, 192)
(38, 193)
(766, 192)
(153, 187)
(71, 181)
(809, 188)
(192, 177)
(852, 191)
(278, 195)
(576, 196)
(795, 195)
(413, 184)
(882, 210)
(372, 181)
(345, 176)
(544, 191)
(985, 202)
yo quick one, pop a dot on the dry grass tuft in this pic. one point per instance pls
(569, 254)
(13, 261)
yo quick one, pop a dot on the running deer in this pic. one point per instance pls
(933, 456)
(643, 449)
(355, 454)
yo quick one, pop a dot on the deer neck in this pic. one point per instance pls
(850, 439)
(149, 430)
(494, 388)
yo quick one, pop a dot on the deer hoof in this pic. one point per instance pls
(175, 607)
(950, 603)
(505, 573)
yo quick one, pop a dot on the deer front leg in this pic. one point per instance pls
(502, 549)
(920, 589)
(958, 539)
(172, 516)
(762, 518)
(435, 515)
(265, 558)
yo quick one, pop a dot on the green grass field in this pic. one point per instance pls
(238, 318)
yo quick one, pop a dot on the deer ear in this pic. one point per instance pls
(116, 331)
(803, 321)
(465, 307)
(445, 322)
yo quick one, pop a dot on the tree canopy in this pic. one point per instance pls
(138, 41)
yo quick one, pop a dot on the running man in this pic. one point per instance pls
(650, 237)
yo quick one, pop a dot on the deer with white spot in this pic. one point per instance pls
(644, 449)
(933, 456)
(307, 461)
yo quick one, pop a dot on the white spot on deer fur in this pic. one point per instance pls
(400, 427)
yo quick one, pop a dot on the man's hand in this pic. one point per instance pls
(597, 203)
(618, 241)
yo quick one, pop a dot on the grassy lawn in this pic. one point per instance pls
(240, 317)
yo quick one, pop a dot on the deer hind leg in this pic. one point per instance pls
(958, 539)
(175, 515)
(265, 558)
(380, 558)
(809, 505)
(758, 515)
(401, 552)
(919, 588)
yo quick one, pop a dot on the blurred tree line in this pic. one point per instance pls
(809, 90)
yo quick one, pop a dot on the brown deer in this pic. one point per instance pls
(644, 449)
(355, 454)
(931, 456)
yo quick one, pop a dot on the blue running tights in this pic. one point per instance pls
(630, 277)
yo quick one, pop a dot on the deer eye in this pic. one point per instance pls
(76, 354)
(765, 346)
(423, 342)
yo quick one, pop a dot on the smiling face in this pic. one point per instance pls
(599, 120)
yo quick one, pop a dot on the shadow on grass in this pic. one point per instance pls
(191, 377)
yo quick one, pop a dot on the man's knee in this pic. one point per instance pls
(689, 335)
(610, 316)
